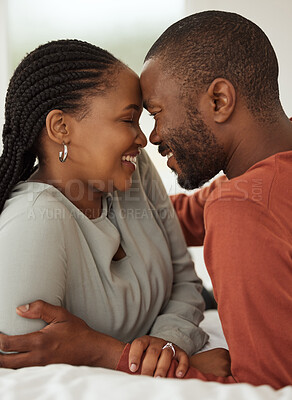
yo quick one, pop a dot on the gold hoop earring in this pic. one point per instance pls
(63, 154)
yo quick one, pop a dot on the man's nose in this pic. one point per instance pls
(154, 137)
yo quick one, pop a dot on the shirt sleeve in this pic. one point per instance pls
(248, 256)
(179, 319)
(190, 211)
(32, 266)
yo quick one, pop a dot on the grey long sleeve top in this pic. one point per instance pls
(51, 251)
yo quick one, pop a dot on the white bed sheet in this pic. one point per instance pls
(67, 382)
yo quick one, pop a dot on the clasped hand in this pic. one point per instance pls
(156, 361)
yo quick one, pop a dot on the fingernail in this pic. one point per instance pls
(158, 376)
(179, 374)
(133, 367)
(23, 308)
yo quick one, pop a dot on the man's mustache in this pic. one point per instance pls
(162, 147)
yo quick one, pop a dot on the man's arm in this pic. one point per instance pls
(249, 259)
(190, 211)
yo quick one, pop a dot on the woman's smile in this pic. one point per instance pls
(130, 160)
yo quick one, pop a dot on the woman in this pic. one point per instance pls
(91, 227)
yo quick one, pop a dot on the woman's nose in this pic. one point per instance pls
(141, 138)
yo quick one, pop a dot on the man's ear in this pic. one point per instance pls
(222, 95)
(56, 127)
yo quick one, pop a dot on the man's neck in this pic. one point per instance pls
(256, 145)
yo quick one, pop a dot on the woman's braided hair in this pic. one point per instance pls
(57, 75)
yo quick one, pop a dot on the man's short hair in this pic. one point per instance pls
(213, 44)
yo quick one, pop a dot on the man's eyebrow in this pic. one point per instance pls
(135, 106)
(147, 104)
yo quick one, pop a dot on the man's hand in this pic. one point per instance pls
(66, 339)
(216, 362)
(156, 361)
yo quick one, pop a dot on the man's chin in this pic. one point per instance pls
(185, 184)
(187, 181)
(190, 184)
(182, 180)
(173, 170)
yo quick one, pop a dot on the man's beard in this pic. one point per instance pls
(197, 152)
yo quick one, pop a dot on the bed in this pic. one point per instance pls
(64, 382)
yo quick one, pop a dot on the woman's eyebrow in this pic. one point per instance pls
(135, 106)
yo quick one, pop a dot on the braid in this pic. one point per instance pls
(57, 75)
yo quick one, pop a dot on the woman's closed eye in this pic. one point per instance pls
(132, 120)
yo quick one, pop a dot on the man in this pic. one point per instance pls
(210, 81)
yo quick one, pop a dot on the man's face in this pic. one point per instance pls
(193, 152)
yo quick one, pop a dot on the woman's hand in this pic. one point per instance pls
(216, 362)
(157, 360)
(67, 339)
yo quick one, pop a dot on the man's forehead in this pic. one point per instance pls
(152, 71)
(156, 83)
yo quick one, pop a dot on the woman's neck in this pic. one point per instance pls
(86, 198)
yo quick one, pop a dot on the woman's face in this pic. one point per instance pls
(104, 145)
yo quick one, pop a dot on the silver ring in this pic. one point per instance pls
(169, 346)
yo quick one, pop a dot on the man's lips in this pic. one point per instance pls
(163, 149)
(166, 151)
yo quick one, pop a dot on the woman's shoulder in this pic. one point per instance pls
(35, 201)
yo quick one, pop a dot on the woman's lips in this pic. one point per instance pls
(130, 160)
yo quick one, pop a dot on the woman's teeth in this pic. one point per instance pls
(132, 159)
(169, 155)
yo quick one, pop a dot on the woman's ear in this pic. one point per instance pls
(222, 94)
(56, 127)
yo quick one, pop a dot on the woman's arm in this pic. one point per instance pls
(178, 321)
(66, 339)
(192, 373)
(32, 266)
